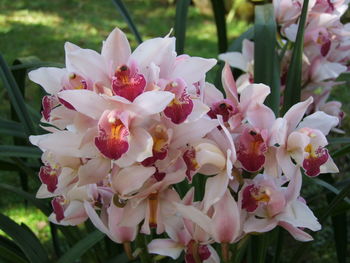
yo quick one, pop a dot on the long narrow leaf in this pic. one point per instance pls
(342, 151)
(19, 151)
(10, 256)
(293, 83)
(220, 22)
(30, 245)
(180, 24)
(17, 100)
(40, 204)
(237, 44)
(328, 211)
(266, 65)
(11, 128)
(339, 140)
(327, 186)
(81, 247)
(125, 14)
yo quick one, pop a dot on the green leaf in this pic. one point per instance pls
(237, 44)
(266, 63)
(326, 213)
(340, 231)
(11, 128)
(19, 151)
(40, 204)
(293, 83)
(338, 140)
(10, 256)
(16, 98)
(220, 22)
(180, 24)
(341, 152)
(125, 14)
(81, 247)
(28, 243)
(329, 187)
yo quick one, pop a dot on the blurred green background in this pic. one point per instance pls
(40, 28)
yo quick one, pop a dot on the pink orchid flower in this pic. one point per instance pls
(267, 205)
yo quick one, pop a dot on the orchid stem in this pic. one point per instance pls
(128, 250)
(225, 252)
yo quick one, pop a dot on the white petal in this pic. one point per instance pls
(152, 102)
(165, 247)
(192, 69)
(321, 121)
(116, 49)
(235, 59)
(49, 78)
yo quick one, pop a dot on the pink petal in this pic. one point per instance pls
(130, 179)
(253, 94)
(152, 102)
(226, 219)
(294, 115)
(116, 49)
(49, 78)
(215, 188)
(192, 69)
(320, 121)
(93, 171)
(92, 104)
(195, 215)
(229, 84)
(89, 63)
(297, 233)
(165, 247)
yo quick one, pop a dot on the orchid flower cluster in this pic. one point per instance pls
(126, 130)
(326, 50)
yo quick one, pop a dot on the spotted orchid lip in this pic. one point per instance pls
(127, 83)
(113, 135)
(49, 176)
(58, 208)
(314, 160)
(251, 150)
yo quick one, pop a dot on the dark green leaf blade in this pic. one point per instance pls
(180, 24)
(236, 45)
(125, 14)
(19, 151)
(220, 22)
(40, 204)
(17, 100)
(28, 243)
(266, 65)
(10, 256)
(293, 83)
(11, 128)
(81, 247)
(326, 213)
